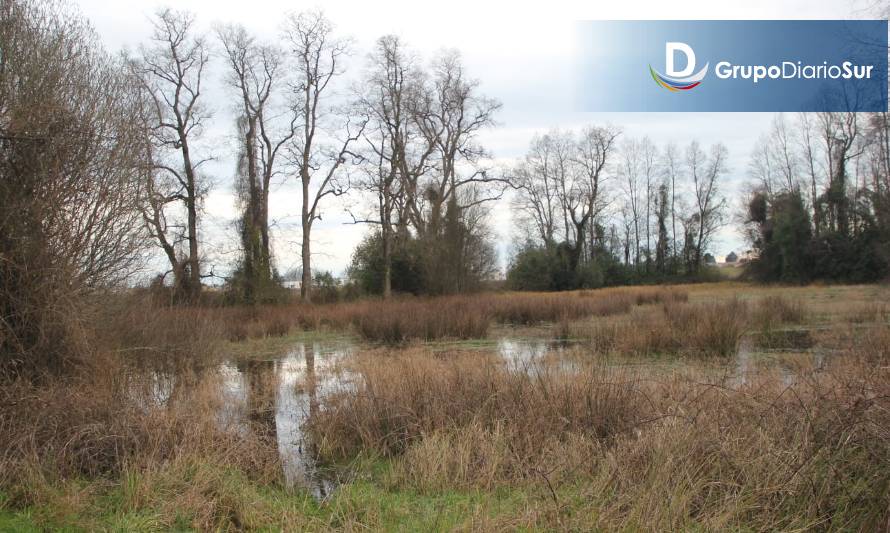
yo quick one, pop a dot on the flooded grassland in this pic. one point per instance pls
(714, 406)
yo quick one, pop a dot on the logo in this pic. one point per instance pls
(682, 80)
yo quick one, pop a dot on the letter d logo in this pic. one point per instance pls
(669, 52)
(678, 80)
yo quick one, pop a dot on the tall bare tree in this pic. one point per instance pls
(561, 178)
(536, 179)
(810, 155)
(632, 173)
(672, 168)
(783, 141)
(315, 151)
(258, 75)
(706, 172)
(171, 71)
(649, 160)
(761, 165)
(451, 115)
(594, 150)
(840, 136)
(398, 155)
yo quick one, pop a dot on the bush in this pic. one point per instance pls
(69, 221)
(366, 269)
(538, 268)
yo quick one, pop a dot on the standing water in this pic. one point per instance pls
(277, 396)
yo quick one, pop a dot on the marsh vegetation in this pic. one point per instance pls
(420, 395)
(715, 406)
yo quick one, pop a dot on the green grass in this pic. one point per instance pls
(363, 504)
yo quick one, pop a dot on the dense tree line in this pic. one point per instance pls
(595, 209)
(819, 205)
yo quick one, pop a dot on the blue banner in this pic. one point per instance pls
(733, 65)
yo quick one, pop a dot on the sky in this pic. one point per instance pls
(523, 53)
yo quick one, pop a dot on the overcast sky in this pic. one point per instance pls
(522, 52)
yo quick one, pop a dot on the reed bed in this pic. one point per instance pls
(712, 329)
(617, 448)
(105, 428)
(578, 443)
(405, 319)
(402, 397)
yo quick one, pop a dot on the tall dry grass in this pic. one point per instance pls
(776, 311)
(615, 448)
(535, 308)
(411, 320)
(676, 328)
(105, 428)
(140, 411)
(465, 317)
(400, 398)
(173, 328)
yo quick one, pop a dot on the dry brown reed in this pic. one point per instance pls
(869, 312)
(695, 329)
(464, 317)
(184, 329)
(686, 449)
(775, 311)
(402, 397)
(415, 320)
(110, 423)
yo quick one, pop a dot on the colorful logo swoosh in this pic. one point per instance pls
(678, 84)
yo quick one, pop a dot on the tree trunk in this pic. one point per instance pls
(194, 263)
(306, 283)
(387, 261)
(194, 281)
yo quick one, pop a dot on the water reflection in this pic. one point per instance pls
(523, 354)
(276, 397)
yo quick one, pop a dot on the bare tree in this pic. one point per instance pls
(549, 183)
(593, 151)
(840, 133)
(783, 140)
(258, 75)
(649, 160)
(672, 167)
(561, 177)
(662, 208)
(761, 166)
(71, 177)
(705, 172)
(171, 70)
(631, 171)
(537, 193)
(316, 154)
(450, 115)
(809, 153)
(398, 154)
